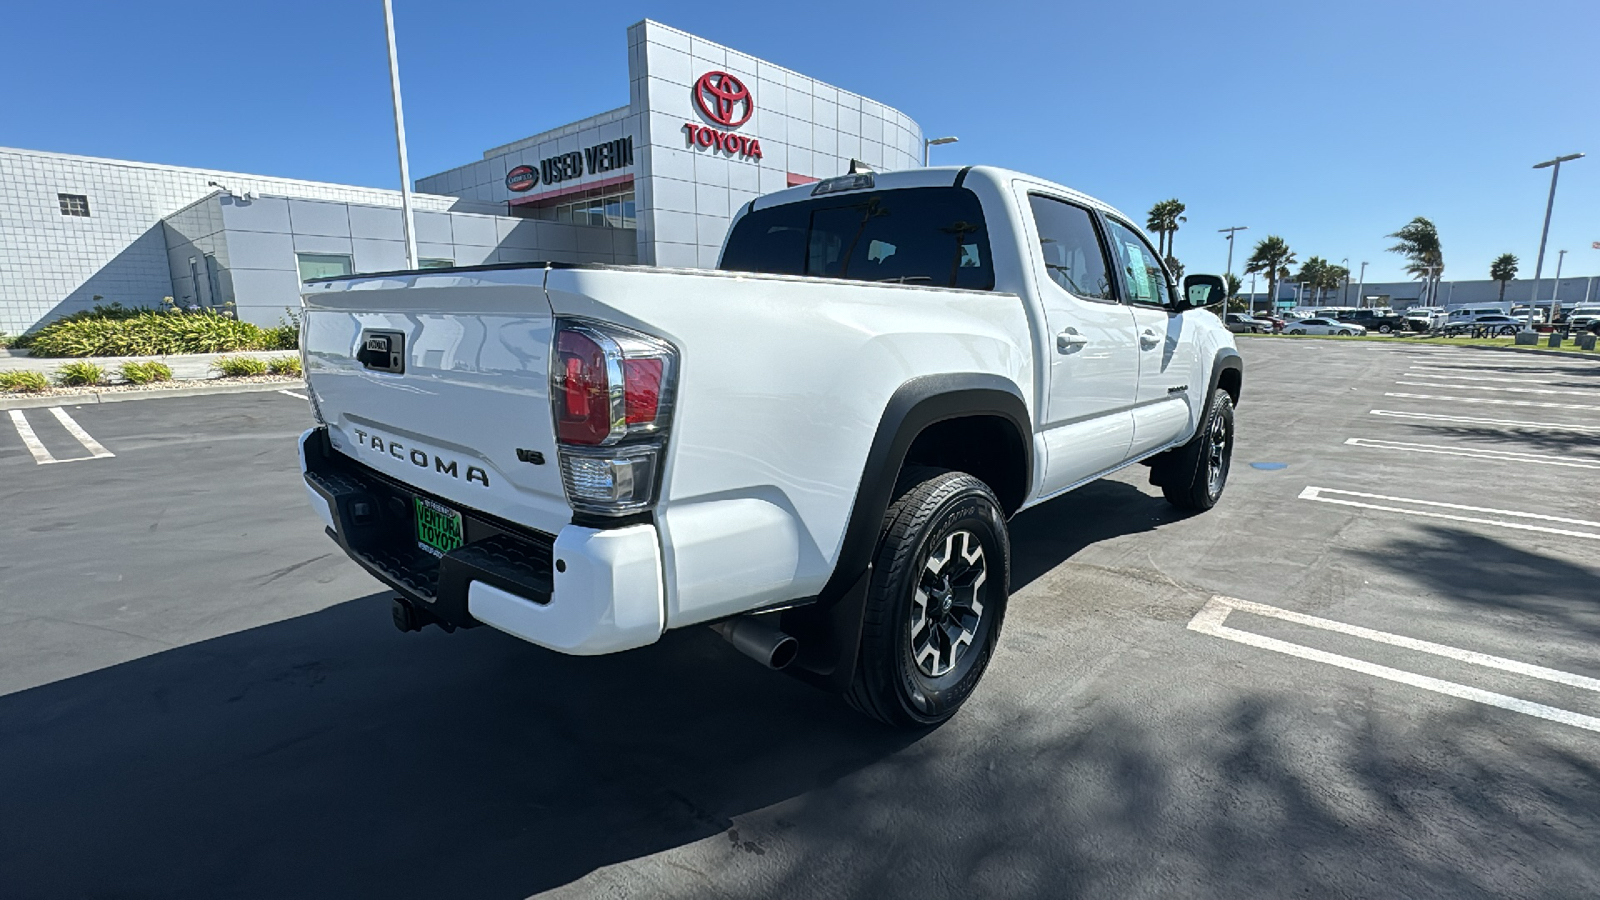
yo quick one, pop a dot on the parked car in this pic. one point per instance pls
(1238, 323)
(1383, 321)
(1495, 324)
(1584, 318)
(1424, 318)
(1470, 313)
(814, 449)
(1322, 326)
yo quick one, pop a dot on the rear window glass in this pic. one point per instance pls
(926, 236)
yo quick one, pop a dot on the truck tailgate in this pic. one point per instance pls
(466, 416)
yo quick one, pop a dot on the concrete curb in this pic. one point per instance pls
(1593, 356)
(123, 396)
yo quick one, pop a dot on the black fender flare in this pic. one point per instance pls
(1226, 359)
(829, 629)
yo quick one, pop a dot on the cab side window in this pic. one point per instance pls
(1071, 249)
(1143, 279)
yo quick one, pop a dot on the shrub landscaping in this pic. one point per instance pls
(80, 374)
(23, 382)
(145, 372)
(120, 331)
(240, 366)
(285, 365)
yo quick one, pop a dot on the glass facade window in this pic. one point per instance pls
(73, 204)
(323, 265)
(614, 210)
(435, 263)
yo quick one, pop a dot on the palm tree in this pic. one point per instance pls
(1334, 276)
(1419, 243)
(1503, 269)
(1235, 302)
(1162, 221)
(1321, 276)
(1176, 208)
(1312, 273)
(1272, 258)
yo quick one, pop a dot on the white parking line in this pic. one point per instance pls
(293, 394)
(31, 440)
(1492, 400)
(1507, 390)
(76, 430)
(41, 455)
(1496, 365)
(1472, 420)
(1211, 618)
(1575, 462)
(1316, 493)
(1454, 376)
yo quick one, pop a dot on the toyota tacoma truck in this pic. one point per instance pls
(814, 449)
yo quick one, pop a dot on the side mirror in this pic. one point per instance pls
(1203, 290)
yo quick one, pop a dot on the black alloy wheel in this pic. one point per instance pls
(936, 599)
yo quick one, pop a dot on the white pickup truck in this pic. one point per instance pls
(814, 449)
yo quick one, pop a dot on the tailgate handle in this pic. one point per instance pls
(383, 351)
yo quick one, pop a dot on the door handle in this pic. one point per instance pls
(1070, 340)
(1149, 339)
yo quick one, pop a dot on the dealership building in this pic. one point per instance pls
(705, 130)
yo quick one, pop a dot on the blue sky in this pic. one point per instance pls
(1328, 124)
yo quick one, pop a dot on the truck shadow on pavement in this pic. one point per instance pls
(329, 755)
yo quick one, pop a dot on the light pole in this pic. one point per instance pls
(400, 139)
(1229, 232)
(931, 142)
(1344, 299)
(1555, 294)
(1253, 295)
(1361, 288)
(1538, 266)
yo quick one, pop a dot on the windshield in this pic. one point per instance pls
(926, 236)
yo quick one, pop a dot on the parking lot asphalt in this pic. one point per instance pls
(1369, 672)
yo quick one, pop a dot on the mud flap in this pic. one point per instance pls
(829, 636)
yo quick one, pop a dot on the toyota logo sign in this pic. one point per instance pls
(721, 97)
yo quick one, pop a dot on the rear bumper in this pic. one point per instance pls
(582, 591)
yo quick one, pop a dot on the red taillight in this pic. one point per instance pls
(583, 413)
(642, 379)
(592, 362)
(611, 389)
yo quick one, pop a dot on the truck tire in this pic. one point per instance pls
(1194, 475)
(935, 602)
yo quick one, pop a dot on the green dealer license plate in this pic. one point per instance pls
(438, 527)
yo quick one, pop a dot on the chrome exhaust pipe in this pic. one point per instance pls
(759, 641)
